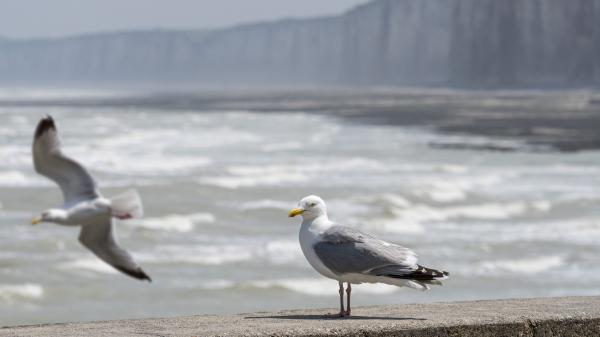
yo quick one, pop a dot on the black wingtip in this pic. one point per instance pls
(422, 274)
(44, 125)
(138, 273)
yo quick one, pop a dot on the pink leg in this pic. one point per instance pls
(342, 313)
(123, 216)
(341, 292)
(348, 292)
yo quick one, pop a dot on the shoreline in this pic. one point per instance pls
(564, 121)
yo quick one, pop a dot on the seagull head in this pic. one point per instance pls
(310, 207)
(50, 215)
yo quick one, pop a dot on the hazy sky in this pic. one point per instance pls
(42, 18)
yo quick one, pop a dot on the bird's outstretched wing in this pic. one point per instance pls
(100, 238)
(345, 250)
(73, 179)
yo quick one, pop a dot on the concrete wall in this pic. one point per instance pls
(564, 317)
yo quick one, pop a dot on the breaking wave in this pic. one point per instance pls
(15, 292)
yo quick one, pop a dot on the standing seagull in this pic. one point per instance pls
(349, 255)
(84, 206)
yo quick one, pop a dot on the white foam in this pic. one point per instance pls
(278, 174)
(89, 264)
(347, 209)
(446, 194)
(491, 211)
(579, 231)
(230, 182)
(14, 155)
(18, 179)
(522, 266)
(12, 292)
(266, 204)
(158, 151)
(149, 164)
(198, 254)
(217, 284)
(411, 220)
(398, 226)
(282, 252)
(542, 206)
(220, 257)
(220, 251)
(455, 169)
(319, 287)
(306, 286)
(445, 190)
(488, 211)
(395, 200)
(211, 137)
(567, 169)
(313, 287)
(173, 222)
(575, 231)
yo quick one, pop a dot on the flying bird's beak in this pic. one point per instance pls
(36, 220)
(295, 211)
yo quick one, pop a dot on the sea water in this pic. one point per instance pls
(217, 185)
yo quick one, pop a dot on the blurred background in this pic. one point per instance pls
(464, 129)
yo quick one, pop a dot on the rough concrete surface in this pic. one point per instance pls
(544, 317)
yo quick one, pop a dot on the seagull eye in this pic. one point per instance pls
(313, 204)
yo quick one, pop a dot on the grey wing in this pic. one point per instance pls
(346, 250)
(101, 240)
(73, 179)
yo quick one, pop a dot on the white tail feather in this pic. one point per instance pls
(127, 205)
(415, 285)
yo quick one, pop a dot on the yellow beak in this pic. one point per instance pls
(36, 220)
(295, 211)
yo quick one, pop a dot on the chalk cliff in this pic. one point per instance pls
(413, 42)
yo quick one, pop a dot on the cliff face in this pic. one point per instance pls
(441, 42)
(531, 41)
(508, 42)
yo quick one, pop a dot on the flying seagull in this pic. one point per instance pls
(348, 255)
(83, 205)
